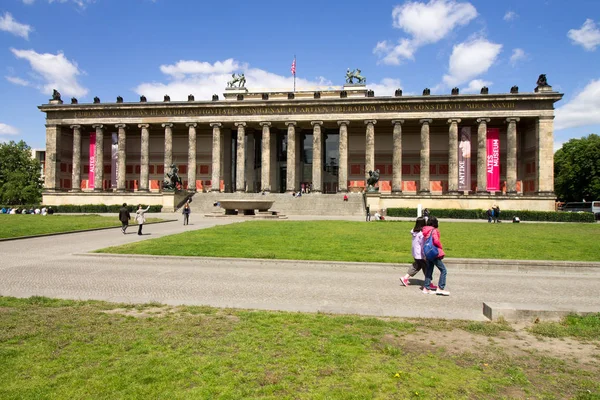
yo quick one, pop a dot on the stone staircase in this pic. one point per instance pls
(307, 204)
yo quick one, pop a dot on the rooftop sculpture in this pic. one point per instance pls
(355, 74)
(239, 79)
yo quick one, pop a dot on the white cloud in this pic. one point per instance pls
(8, 24)
(510, 15)
(588, 36)
(18, 81)
(8, 130)
(385, 87)
(80, 3)
(186, 67)
(582, 110)
(470, 59)
(517, 55)
(475, 86)
(426, 23)
(28, 2)
(55, 70)
(203, 79)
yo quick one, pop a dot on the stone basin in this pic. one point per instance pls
(246, 207)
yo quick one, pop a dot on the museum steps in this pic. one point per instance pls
(285, 203)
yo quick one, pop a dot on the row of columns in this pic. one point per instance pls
(511, 174)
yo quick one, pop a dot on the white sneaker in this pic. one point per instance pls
(442, 292)
(426, 291)
(404, 281)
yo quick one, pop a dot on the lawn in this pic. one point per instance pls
(388, 242)
(29, 225)
(59, 349)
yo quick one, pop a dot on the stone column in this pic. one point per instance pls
(317, 180)
(191, 156)
(370, 147)
(265, 162)
(343, 164)
(216, 158)
(397, 157)
(168, 160)
(51, 176)
(424, 177)
(250, 161)
(99, 159)
(144, 158)
(545, 156)
(511, 156)
(240, 161)
(482, 155)
(290, 179)
(122, 160)
(453, 155)
(76, 176)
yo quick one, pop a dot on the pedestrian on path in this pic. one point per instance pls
(186, 213)
(420, 263)
(124, 217)
(140, 217)
(432, 229)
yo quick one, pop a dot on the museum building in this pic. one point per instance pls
(449, 151)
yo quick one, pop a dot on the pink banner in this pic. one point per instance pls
(493, 159)
(114, 152)
(464, 159)
(92, 160)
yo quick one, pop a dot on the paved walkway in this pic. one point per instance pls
(57, 266)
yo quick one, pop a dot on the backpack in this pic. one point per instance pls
(431, 252)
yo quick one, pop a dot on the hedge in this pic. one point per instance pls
(86, 208)
(505, 215)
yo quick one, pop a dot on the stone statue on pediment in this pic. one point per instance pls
(237, 79)
(96, 100)
(355, 74)
(56, 95)
(542, 81)
(74, 100)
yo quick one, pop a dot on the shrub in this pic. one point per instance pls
(505, 215)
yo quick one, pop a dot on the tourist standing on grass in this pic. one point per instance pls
(186, 214)
(496, 214)
(420, 263)
(432, 229)
(140, 217)
(124, 217)
(489, 214)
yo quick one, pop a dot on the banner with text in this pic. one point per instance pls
(464, 160)
(493, 159)
(92, 160)
(114, 153)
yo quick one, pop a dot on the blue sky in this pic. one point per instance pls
(107, 48)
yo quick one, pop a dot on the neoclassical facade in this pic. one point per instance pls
(327, 142)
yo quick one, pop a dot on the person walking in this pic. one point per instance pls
(124, 217)
(496, 213)
(140, 217)
(186, 213)
(432, 229)
(420, 263)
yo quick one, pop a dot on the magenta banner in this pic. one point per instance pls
(493, 159)
(464, 160)
(114, 155)
(92, 160)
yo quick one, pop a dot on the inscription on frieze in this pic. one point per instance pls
(298, 110)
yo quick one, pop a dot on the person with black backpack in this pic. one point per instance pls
(434, 254)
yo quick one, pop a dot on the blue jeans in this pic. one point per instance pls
(429, 274)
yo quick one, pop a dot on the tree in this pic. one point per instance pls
(577, 169)
(20, 180)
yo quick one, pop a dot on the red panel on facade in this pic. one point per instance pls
(406, 169)
(433, 169)
(409, 186)
(380, 167)
(204, 169)
(151, 169)
(182, 169)
(160, 169)
(63, 167)
(436, 186)
(390, 169)
(67, 183)
(71, 168)
(84, 184)
(137, 169)
(154, 184)
(385, 186)
(355, 169)
(107, 169)
(129, 169)
(86, 168)
(416, 169)
(443, 169)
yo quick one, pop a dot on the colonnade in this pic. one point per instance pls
(543, 129)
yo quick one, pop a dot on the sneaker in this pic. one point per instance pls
(432, 287)
(442, 292)
(404, 281)
(425, 290)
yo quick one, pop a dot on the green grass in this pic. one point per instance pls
(28, 225)
(59, 349)
(582, 327)
(388, 242)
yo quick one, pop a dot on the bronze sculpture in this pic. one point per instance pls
(372, 181)
(172, 180)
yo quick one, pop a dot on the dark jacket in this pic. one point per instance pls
(124, 214)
